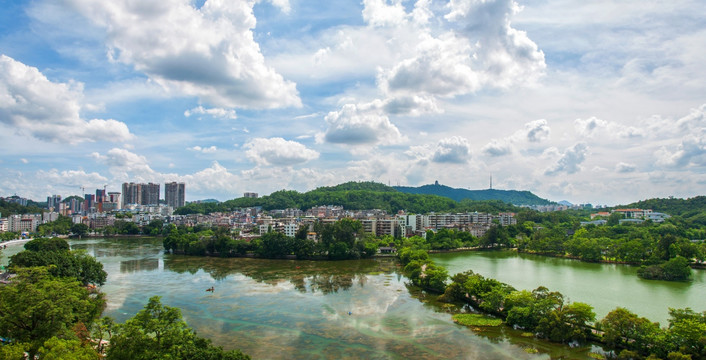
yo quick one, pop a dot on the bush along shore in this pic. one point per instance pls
(547, 315)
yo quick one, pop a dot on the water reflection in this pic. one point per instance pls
(313, 276)
(130, 266)
(279, 309)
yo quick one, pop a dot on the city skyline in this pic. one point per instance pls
(593, 102)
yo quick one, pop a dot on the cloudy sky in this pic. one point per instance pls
(588, 101)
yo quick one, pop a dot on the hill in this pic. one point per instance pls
(352, 196)
(692, 210)
(514, 197)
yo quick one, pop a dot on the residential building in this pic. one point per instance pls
(53, 202)
(174, 194)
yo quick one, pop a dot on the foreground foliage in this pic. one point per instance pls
(55, 254)
(37, 306)
(159, 332)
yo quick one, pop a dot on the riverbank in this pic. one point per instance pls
(16, 241)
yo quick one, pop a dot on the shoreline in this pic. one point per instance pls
(15, 241)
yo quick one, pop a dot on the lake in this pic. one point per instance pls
(283, 309)
(604, 286)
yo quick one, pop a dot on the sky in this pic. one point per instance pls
(598, 102)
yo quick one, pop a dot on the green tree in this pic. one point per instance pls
(36, 306)
(62, 263)
(67, 349)
(622, 328)
(159, 332)
(79, 229)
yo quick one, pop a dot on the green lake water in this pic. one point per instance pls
(604, 286)
(282, 309)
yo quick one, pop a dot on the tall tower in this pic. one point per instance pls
(174, 194)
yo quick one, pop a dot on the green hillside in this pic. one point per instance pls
(353, 196)
(508, 196)
(692, 210)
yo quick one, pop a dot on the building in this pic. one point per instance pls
(250, 195)
(140, 194)
(174, 194)
(53, 202)
(132, 194)
(150, 194)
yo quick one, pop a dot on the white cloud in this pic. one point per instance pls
(72, 178)
(441, 67)
(505, 55)
(361, 124)
(570, 160)
(207, 150)
(691, 151)
(127, 166)
(534, 132)
(594, 127)
(452, 150)
(497, 148)
(207, 52)
(219, 113)
(33, 105)
(278, 151)
(622, 167)
(380, 13)
(537, 130)
(283, 5)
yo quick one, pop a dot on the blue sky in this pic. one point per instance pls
(599, 101)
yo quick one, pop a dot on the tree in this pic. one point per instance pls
(159, 332)
(79, 229)
(36, 306)
(62, 263)
(67, 349)
(47, 244)
(274, 245)
(622, 328)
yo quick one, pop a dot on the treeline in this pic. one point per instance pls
(685, 208)
(664, 249)
(50, 310)
(352, 196)
(341, 240)
(547, 314)
(10, 208)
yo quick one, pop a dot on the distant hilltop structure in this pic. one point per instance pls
(252, 195)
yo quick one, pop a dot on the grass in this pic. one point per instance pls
(476, 320)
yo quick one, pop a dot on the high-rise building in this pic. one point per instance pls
(89, 202)
(132, 194)
(140, 194)
(53, 202)
(150, 194)
(100, 196)
(174, 194)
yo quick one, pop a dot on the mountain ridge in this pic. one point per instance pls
(515, 197)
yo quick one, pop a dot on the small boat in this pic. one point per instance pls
(210, 289)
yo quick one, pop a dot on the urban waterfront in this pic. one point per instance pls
(300, 309)
(280, 309)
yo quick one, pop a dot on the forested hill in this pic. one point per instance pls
(508, 196)
(672, 206)
(353, 196)
(10, 208)
(692, 210)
